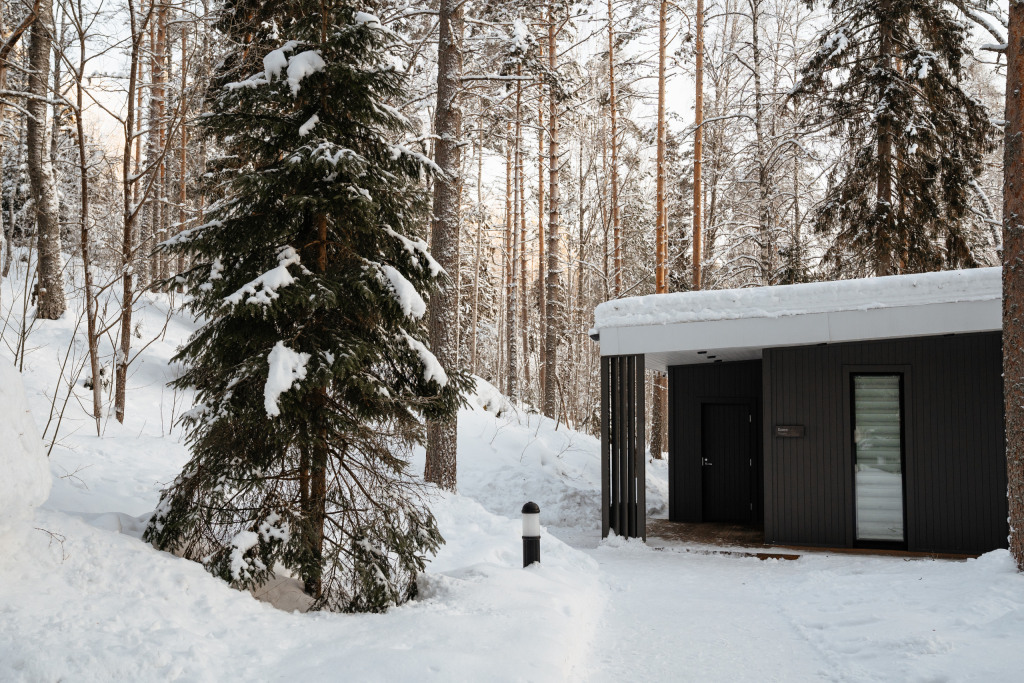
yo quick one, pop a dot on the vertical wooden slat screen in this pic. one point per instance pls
(623, 446)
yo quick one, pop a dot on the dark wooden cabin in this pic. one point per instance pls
(864, 413)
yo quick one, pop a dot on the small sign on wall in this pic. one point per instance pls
(789, 431)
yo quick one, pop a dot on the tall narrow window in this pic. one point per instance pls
(878, 457)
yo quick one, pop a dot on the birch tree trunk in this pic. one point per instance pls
(444, 237)
(51, 302)
(1013, 278)
(84, 218)
(129, 194)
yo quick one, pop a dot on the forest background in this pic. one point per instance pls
(604, 150)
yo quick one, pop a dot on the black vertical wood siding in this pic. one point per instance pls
(954, 439)
(689, 386)
(623, 487)
(955, 460)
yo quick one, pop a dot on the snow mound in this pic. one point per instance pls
(25, 482)
(83, 603)
(486, 397)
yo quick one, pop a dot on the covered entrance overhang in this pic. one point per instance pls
(734, 328)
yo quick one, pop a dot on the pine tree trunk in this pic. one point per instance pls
(616, 221)
(524, 318)
(698, 147)
(658, 414)
(657, 444)
(764, 228)
(1013, 279)
(511, 356)
(541, 296)
(554, 309)
(316, 511)
(183, 142)
(444, 238)
(51, 302)
(605, 222)
(884, 264)
(476, 261)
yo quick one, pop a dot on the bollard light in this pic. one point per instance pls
(531, 534)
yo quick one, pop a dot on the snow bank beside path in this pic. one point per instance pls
(87, 604)
(24, 471)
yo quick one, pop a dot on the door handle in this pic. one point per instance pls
(705, 462)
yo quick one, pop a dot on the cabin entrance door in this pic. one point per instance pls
(726, 451)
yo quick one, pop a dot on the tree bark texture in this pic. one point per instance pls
(85, 246)
(1013, 279)
(444, 238)
(883, 194)
(555, 306)
(51, 302)
(764, 182)
(524, 309)
(511, 355)
(698, 146)
(129, 195)
(616, 220)
(657, 443)
(542, 297)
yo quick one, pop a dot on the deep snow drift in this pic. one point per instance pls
(24, 471)
(83, 599)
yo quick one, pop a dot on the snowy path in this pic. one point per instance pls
(674, 616)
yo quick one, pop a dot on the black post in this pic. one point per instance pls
(531, 534)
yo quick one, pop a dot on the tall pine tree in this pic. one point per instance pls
(312, 371)
(886, 80)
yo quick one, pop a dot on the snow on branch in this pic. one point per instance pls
(432, 370)
(409, 300)
(398, 151)
(286, 368)
(417, 247)
(301, 65)
(276, 60)
(263, 290)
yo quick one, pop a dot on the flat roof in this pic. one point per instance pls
(738, 324)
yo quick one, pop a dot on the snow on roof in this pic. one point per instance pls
(979, 284)
(738, 324)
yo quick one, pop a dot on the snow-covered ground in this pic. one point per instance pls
(82, 598)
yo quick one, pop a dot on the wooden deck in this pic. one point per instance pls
(744, 540)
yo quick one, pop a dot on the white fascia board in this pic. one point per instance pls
(958, 317)
(804, 329)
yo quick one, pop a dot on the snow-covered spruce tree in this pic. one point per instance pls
(312, 372)
(886, 80)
